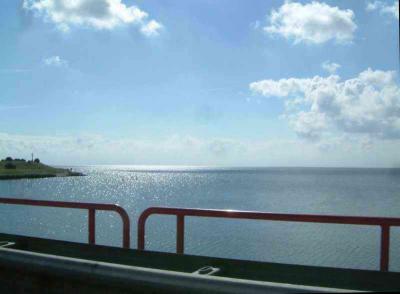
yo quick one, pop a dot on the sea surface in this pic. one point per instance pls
(338, 191)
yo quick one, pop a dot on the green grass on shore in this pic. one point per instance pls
(25, 169)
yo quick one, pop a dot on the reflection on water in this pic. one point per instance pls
(370, 192)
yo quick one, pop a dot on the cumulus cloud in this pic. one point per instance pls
(384, 8)
(97, 14)
(55, 61)
(315, 22)
(367, 104)
(330, 67)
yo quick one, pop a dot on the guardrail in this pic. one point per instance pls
(181, 213)
(91, 207)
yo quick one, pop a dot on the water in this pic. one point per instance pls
(363, 192)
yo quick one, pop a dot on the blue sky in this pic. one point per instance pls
(265, 83)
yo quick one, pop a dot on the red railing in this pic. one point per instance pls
(91, 207)
(384, 223)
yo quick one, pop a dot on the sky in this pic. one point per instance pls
(201, 82)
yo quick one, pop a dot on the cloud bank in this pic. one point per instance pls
(367, 104)
(189, 150)
(314, 22)
(96, 14)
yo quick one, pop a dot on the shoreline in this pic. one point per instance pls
(39, 176)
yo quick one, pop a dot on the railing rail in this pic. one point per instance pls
(91, 207)
(181, 213)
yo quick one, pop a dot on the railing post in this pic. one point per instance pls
(126, 231)
(180, 233)
(385, 240)
(92, 226)
(126, 227)
(141, 232)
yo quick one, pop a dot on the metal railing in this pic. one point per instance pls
(384, 222)
(181, 213)
(91, 207)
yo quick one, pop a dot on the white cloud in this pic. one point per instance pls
(309, 125)
(55, 61)
(152, 28)
(384, 8)
(330, 67)
(315, 22)
(368, 104)
(97, 14)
